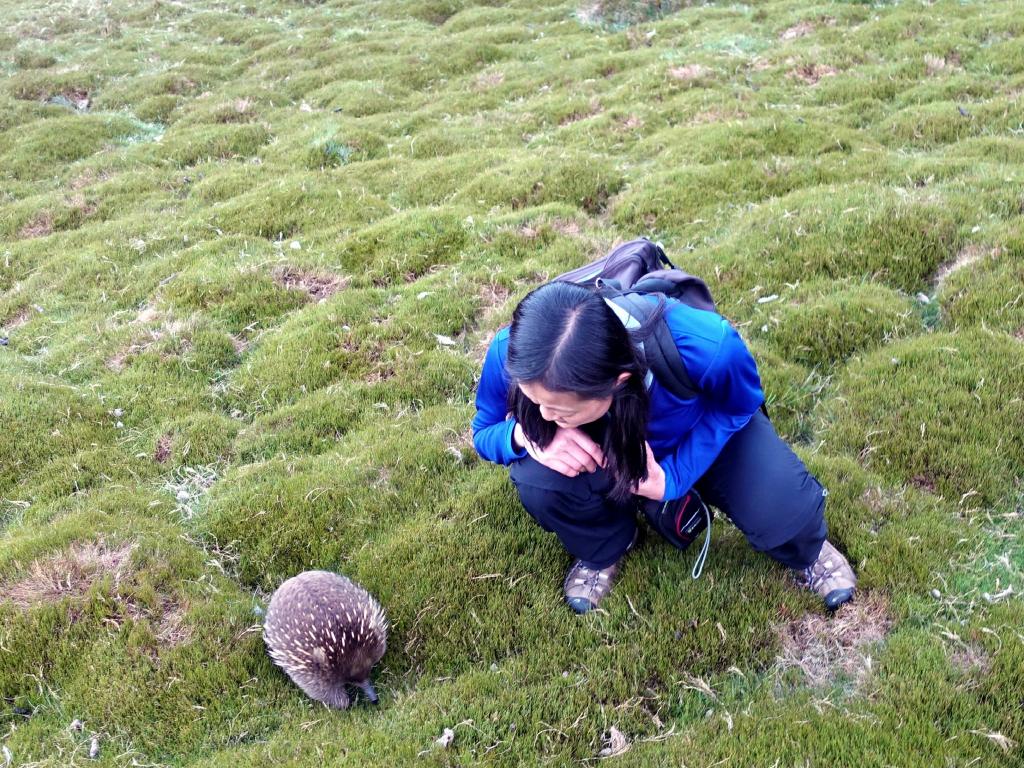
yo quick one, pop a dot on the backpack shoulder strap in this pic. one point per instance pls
(659, 348)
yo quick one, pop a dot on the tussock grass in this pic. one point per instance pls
(250, 259)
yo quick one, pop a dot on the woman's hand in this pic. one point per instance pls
(654, 486)
(571, 452)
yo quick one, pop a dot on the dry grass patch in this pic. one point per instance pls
(492, 298)
(689, 72)
(40, 225)
(87, 178)
(811, 73)
(631, 123)
(70, 573)
(163, 448)
(150, 338)
(169, 622)
(826, 648)
(935, 65)
(81, 206)
(239, 343)
(593, 109)
(319, 286)
(74, 97)
(17, 320)
(970, 658)
(802, 29)
(487, 80)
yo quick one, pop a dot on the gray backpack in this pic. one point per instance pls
(637, 268)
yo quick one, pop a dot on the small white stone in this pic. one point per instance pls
(447, 737)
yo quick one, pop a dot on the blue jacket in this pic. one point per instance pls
(685, 435)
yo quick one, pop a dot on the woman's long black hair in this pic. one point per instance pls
(567, 339)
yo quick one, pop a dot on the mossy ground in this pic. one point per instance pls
(252, 254)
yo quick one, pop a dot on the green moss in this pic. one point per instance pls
(931, 411)
(696, 199)
(986, 291)
(857, 231)
(46, 419)
(818, 325)
(578, 180)
(285, 206)
(194, 440)
(205, 143)
(765, 137)
(403, 247)
(47, 145)
(790, 392)
(238, 296)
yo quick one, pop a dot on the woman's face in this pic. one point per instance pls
(566, 409)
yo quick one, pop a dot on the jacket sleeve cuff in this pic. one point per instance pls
(510, 449)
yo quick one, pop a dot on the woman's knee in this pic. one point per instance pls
(549, 495)
(763, 486)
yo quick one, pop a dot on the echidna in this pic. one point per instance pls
(326, 632)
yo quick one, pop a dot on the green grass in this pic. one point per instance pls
(246, 287)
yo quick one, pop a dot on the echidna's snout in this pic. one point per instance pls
(371, 692)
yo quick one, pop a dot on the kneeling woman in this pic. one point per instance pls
(566, 401)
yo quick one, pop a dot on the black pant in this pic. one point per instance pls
(756, 480)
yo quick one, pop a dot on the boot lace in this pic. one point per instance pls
(590, 578)
(817, 572)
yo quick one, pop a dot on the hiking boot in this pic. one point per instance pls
(584, 587)
(830, 576)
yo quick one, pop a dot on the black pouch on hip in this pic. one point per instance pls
(680, 521)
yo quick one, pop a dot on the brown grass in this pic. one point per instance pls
(631, 123)
(935, 65)
(487, 80)
(802, 29)
(689, 72)
(69, 573)
(924, 481)
(78, 97)
(969, 658)
(318, 285)
(827, 647)
(18, 319)
(812, 73)
(163, 448)
(150, 337)
(593, 108)
(87, 178)
(40, 225)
